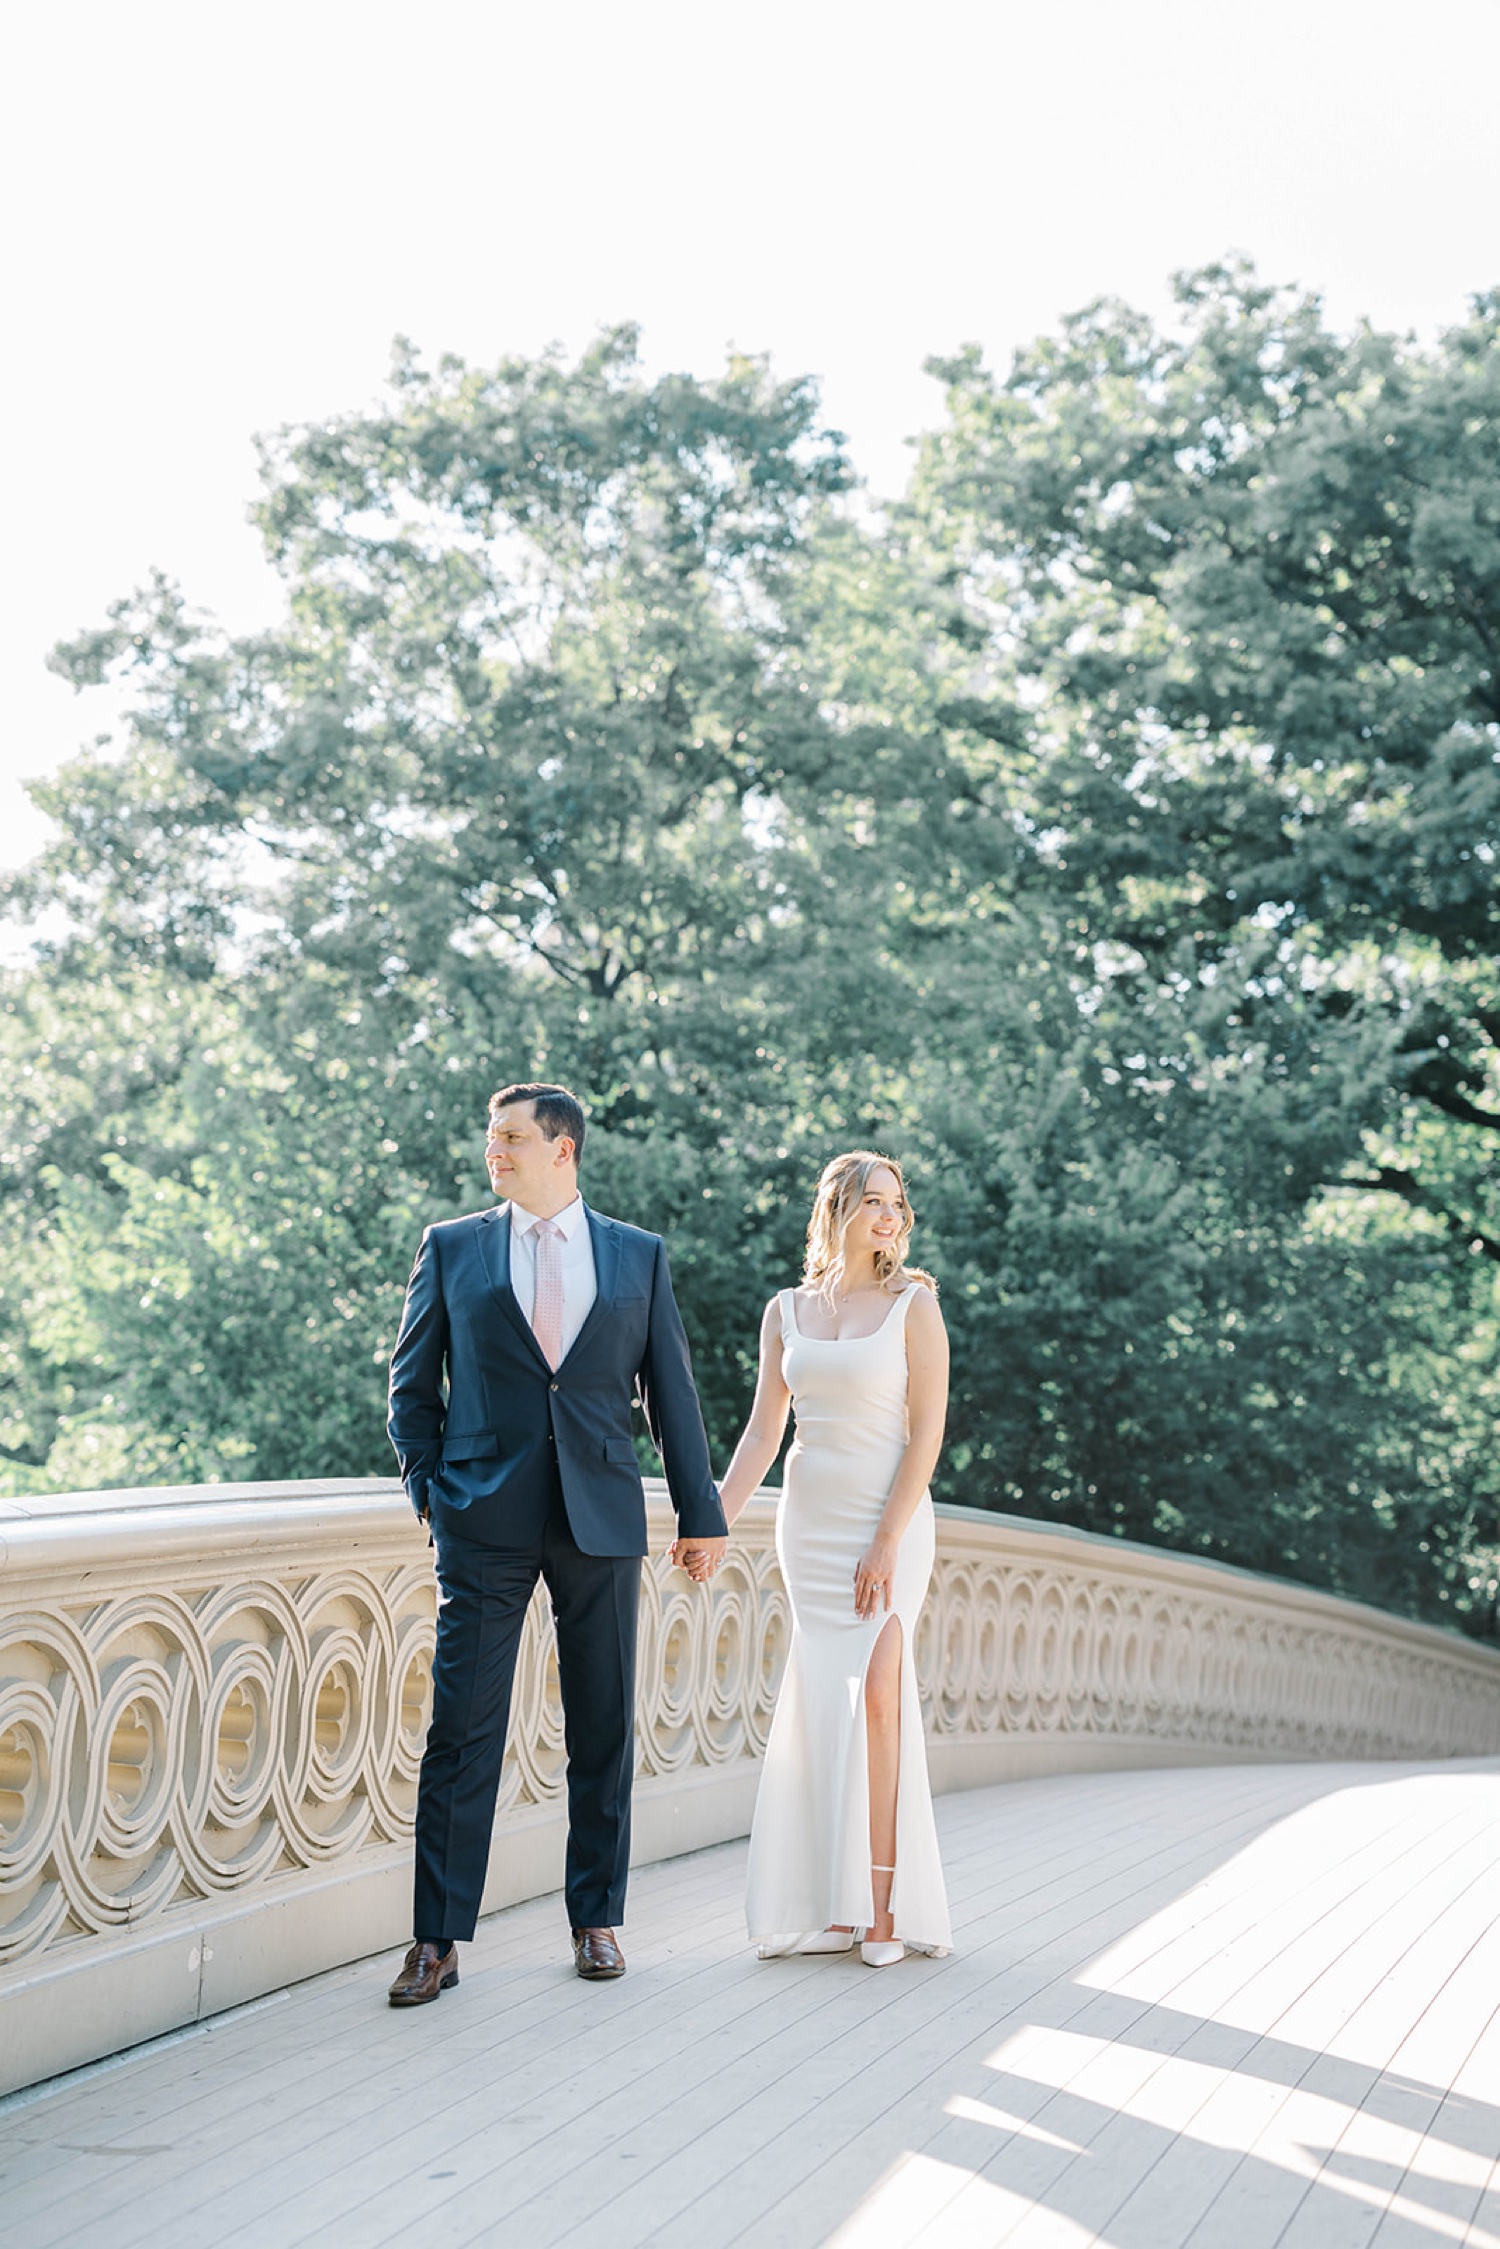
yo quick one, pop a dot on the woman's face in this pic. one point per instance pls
(877, 1222)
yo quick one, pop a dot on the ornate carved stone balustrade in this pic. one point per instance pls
(213, 1701)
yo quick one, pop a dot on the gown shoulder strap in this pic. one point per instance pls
(788, 1315)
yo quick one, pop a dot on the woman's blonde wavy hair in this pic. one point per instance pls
(841, 1191)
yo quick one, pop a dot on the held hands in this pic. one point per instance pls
(700, 1557)
(872, 1576)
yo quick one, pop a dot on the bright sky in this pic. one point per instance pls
(221, 215)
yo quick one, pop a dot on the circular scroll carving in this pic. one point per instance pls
(163, 1746)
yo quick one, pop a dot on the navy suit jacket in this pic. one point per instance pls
(484, 1428)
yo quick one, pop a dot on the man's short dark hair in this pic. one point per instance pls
(557, 1111)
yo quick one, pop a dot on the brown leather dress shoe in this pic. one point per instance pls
(425, 1971)
(596, 1955)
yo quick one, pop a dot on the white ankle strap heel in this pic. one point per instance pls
(877, 1952)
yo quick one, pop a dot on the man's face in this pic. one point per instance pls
(524, 1166)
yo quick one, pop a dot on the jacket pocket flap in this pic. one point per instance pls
(480, 1446)
(621, 1449)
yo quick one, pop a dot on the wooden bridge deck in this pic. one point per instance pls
(1233, 2008)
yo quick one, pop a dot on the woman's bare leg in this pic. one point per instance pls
(883, 1733)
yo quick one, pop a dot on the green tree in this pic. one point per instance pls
(500, 796)
(1231, 598)
(1245, 574)
(602, 737)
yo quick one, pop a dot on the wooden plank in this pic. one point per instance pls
(1170, 1987)
(513, 2182)
(836, 2175)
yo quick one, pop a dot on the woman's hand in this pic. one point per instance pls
(873, 1575)
(700, 1557)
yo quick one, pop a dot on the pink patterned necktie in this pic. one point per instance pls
(547, 1308)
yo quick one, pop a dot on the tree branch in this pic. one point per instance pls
(1389, 1181)
(23, 1456)
(1454, 1105)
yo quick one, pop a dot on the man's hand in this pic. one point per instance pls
(700, 1557)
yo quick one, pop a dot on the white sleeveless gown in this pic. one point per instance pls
(810, 1842)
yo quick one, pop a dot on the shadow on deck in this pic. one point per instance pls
(1232, 2006)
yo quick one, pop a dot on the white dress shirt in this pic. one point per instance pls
(580, 1285)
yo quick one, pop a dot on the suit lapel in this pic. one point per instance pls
(494, 1247)
(605, 1237)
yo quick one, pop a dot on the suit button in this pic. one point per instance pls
(553, 1386)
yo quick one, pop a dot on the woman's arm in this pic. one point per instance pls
(761, 1439)
(926, 1412)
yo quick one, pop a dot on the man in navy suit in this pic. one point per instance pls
(526, 1333)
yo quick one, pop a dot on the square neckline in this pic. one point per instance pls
(803, 1337)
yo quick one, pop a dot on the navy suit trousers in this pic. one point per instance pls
(483, 1593)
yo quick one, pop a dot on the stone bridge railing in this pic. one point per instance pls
(213, 1701)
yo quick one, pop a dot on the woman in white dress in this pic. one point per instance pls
(844, 1839)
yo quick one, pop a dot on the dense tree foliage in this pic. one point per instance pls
(1236, 589)
(1108, 829)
